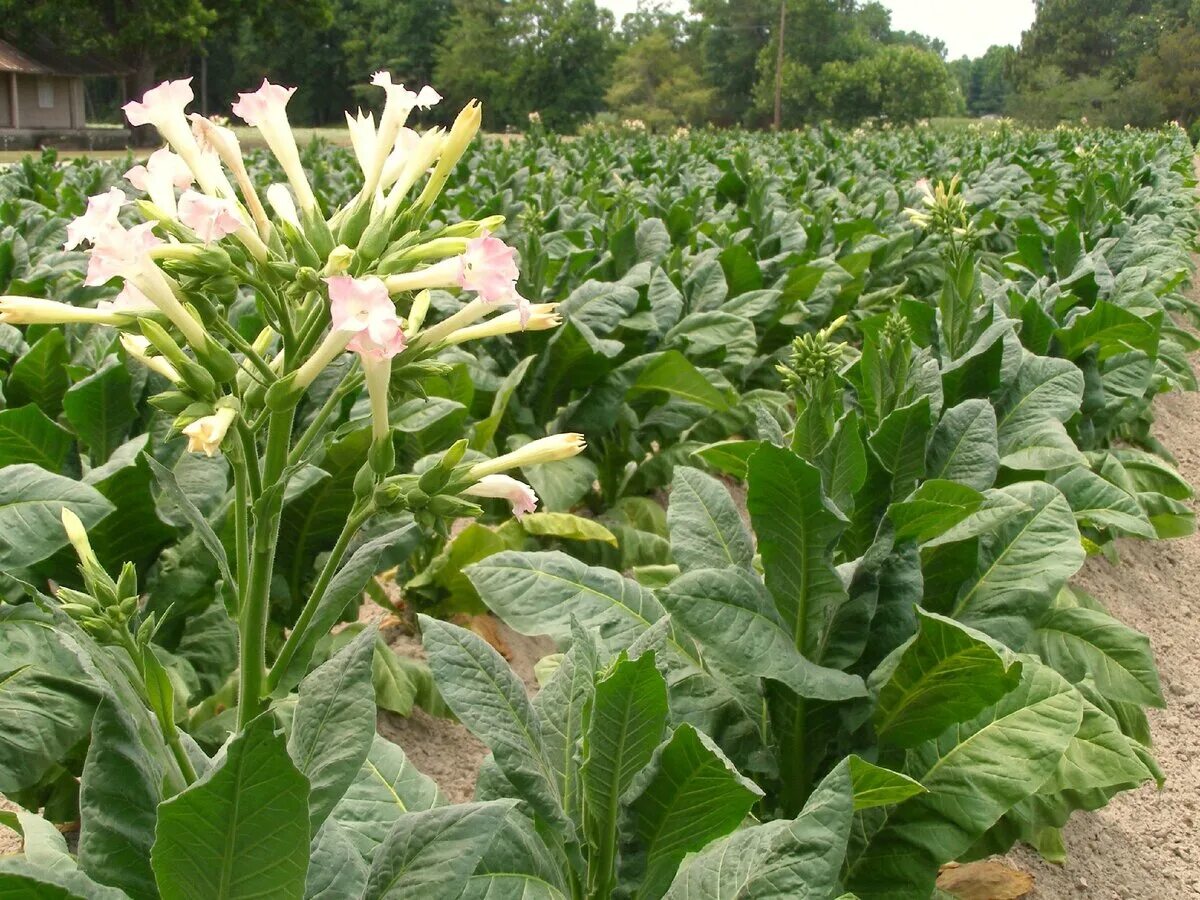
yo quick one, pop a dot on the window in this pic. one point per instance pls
(45, 88)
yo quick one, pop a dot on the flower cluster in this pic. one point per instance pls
(944, 211)
(354, 281)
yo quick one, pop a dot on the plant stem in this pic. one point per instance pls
(256, 606)
(343, 387)
(296, 639)
(241, 515)
(244, 348)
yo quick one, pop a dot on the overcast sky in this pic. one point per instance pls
(967, 26)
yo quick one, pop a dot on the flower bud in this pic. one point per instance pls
(339, 260)
(547, 449)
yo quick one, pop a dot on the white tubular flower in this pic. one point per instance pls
(129, 301)
(225, 144)
(138, 347)
(164, 173)
(100, 218)
(78, 537)
(362, 139)
(159, 289)
(532, 317)
(163, 107)
(505, 487)
(462, 132)
(206, 433)
(407, 142)
(399, 104)
(266, 110)
(282, 204)
(544, 450)
(472, 312)
(418, 162)
(35, 311)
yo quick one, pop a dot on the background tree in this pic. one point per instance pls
(654, 82)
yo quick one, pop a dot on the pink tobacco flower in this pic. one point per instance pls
(161, 103)
(362, 307)
(100, 217)
(505, 487)
(164, 173)
(118, 251)
(488, 267)
(211, 218)
(259, 107)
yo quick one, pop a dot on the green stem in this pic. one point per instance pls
(343, 387)
(299, 633)
(243, 347)
(170, 733)
(254, 612)
(242, 465)
(253, 477)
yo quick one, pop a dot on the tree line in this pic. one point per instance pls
(726, 62)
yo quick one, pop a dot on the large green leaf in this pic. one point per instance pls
(47, 698)
(1031, 411)
(1100, 503)
(334, 725)
(40, 375)
(973, 773)
(23, 880)
(1022, 565)
(346, 587)
(119, 794)
(430, 855)
(485, 694)
(518, 865)
(31, 503)
(625, 723)
(335, 869)
(964, 445)
(671, 373)
(192, 514)
(797, 528)
(899, 444)
(707, 531)
(798, 859)
(732, 616)
(944, 675)
(100, 408)
(386, 787)
(689, 795)
(242, 830)
(539, 593)
(28, 435)
(933, 508)
(560, 706)
(1087, 643)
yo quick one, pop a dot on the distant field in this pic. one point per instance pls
(249, 138)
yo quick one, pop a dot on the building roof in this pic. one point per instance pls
(46, 61)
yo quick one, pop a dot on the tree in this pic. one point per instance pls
(153, 38)
(652, 81)
(1172, 72)
(477, 59)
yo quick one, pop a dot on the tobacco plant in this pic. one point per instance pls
(336, 303)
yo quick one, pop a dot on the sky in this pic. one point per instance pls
(968, 27)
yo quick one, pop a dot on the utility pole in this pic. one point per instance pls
(779, 66)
